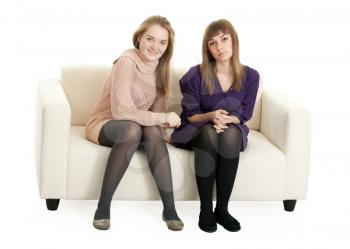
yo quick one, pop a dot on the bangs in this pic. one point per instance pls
(215, 28)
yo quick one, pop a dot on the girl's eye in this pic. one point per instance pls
(163, 43)
(225, 39)
(211, 44)
(149, 39)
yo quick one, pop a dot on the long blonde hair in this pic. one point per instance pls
(208, 66)
(163, 68)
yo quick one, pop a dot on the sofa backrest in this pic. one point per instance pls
(83, 84)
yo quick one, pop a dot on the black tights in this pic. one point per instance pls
(216, 157)
(125, 137)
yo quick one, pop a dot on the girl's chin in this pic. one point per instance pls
(223, 59)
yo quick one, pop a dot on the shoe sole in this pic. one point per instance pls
(208, 230)
(229, 229)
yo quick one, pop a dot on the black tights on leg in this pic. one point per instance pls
(216, 157)
(226, 170)
(159, 163)
(205, 146)
(124, 138)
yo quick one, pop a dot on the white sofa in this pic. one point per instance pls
(274, 166)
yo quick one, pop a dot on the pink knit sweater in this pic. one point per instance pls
(129, 93)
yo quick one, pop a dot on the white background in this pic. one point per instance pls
(301, 47)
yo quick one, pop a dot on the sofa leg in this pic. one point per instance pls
(289, 205)
(52, 204)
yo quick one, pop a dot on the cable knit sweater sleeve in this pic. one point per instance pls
(122, 104)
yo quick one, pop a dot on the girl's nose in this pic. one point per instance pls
(154, 45)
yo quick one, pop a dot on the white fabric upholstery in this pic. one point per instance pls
(288, 126)
(274, 165)
(53, 125)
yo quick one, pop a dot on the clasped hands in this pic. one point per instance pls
(221, 119)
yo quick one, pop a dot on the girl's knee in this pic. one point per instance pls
(230, 142)
(130, 131)
(207, 131)
(152, 133)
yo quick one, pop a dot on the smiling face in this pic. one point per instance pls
(220, 47)
(154, 42)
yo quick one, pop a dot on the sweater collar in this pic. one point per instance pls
(144, 65)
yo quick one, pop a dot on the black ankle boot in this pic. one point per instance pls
(227, 221)
(207, 222)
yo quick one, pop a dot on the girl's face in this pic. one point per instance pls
(154, 42)
(220, 47)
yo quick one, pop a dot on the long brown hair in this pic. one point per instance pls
(208, 66)
(163, 68)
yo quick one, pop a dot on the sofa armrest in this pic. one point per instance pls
(52, 135)
(287, 125)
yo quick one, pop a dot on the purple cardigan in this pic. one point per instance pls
(197, 100)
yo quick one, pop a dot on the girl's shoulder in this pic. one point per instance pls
(128, 56)
(193, 74)
(251, 74)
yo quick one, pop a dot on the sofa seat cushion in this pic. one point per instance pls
(260, 176)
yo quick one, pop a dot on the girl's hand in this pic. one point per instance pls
(218, 117)
(171, 120)
(222, 122)
(220, 127)
(232, 119)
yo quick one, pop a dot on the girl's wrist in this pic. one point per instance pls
(209, 116)
(162, 118)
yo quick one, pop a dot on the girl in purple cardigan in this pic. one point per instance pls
(218, 99)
